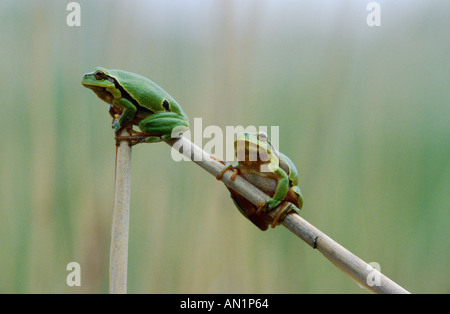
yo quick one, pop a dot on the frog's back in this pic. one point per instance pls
(145, 91)
(288, 166)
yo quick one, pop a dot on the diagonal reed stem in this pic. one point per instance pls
(350, 264)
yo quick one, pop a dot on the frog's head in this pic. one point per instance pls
(254, 148)
(101, 83)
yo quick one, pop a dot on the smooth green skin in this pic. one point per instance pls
(277, 166)
(286, 163)
(138, 99)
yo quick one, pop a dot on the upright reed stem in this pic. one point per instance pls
(120, 224)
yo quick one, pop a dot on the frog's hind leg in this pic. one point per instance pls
(281, 214)
(163, 126)
(156, 139)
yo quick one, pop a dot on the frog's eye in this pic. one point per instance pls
(262, 136)
(99, 75)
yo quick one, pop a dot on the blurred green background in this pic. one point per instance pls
(363, 113)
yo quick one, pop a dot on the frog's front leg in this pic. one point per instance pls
(163, 126)
(129, 110)
(228, 166)
(280, 192)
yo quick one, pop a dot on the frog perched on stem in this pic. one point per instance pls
(137, 100)
(270, 171)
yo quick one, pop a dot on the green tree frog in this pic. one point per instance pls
(138, 100)
(270, 171)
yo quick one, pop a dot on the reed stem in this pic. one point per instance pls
(120, 224)
(350, 264)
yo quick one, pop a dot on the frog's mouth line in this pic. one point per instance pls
(102, 93)
(107, 97)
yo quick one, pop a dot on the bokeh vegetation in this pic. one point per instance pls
(363, 112)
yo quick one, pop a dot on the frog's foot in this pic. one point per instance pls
(236, 172)
(261, 206)
(271, 203)
(219, 160)
(228, 167)
(131, 139)
(137, 137)
(281, 214)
